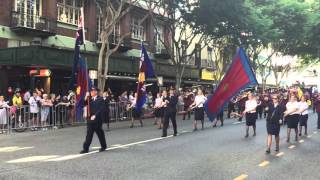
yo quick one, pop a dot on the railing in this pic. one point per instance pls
(20, 119)
(33, 22)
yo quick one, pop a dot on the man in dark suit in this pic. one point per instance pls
(95, 120)
(170, 112)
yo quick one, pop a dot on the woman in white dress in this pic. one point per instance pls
(158, 110)
(3, 114)
(303, 109)
(198, 103)
(292, 115)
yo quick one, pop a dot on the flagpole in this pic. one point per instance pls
(85, 59)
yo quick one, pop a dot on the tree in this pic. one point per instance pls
(111, 12)
(182, 33)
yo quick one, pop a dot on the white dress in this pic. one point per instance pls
(3, 112)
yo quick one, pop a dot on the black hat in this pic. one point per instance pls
(93, 88)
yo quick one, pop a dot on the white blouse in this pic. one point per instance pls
(158, 103)
(291, 106)
(251, 106)
(200, 100)
(303, 105)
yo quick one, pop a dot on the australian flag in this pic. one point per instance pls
(145, 71)
(238, 76)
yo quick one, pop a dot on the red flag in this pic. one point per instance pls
(239, 76)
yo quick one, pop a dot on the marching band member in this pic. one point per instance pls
(292, 116)
(3, 114)
(198, 103)
(135, 114)
(170, 111)
(303, 109)
(158, 110)
(275, 114)
(251, 114)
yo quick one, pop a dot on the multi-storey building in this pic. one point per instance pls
(37, 41)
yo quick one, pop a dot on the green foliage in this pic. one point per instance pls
(289, 27)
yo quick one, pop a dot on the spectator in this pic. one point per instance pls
(45, 109)
(3, 114)
(35, 103)
(26, 97)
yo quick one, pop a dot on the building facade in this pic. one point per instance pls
(37, 42)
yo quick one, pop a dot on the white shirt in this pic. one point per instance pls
(291, 106)
(200, 100)
(158, 102)
(251, 106)
(303, 105)
(33, 104)
(26, 96)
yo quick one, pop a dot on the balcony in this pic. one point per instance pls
(114, 39)
(162, 53)
(32, 25)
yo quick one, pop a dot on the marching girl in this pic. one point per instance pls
(303, 109)
(292, 116)
(198, 103)
(3, 114)
(251, 114)
(158, 110)
(136, 115)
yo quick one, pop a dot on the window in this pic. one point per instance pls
(158, 41)
(17, 43)
(114, 36)
(137, 29)
(69, 11)
(28, 12)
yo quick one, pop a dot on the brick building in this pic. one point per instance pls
(39, 35)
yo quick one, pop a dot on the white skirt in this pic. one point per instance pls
(3, 116)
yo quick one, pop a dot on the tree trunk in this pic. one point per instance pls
(178, 77)
(101, 79)
(106, 69)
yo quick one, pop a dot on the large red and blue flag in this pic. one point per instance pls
(83, 85)
(145, 71)
(238, 77)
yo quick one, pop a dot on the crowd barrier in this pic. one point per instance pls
(20, 119)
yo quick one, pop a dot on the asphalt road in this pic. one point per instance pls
(140, 154)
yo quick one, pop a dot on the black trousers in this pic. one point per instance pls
(230, 110)
(97, 128)
(240, 110)
(185, 108)
(167, 116)
(259, 111)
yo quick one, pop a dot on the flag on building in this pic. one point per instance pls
(145, 71)
(238, 76)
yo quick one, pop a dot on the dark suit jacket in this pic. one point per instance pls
(275, 114)
(172, 105)
(97, 108)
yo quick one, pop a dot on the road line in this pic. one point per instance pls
(301, 141)
(315, 132)
(238, 122)
(309, 136)
(292, 146)
(264, 163)
(241, 177)
(280, 154)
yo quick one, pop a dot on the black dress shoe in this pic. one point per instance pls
(175, 134)
(164, 136)
(268, 151)
(246, 136)
(84, 152)
(102, 149)
(277, 149)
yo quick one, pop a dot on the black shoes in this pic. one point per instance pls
(102, 149)
(268, 151)
(175, 134)
(246, 136)
(254, 134)
(277, 149)
(84, 151)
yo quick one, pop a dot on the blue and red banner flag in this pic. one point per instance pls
(238, 77)
(83, 86)
(145, 71)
